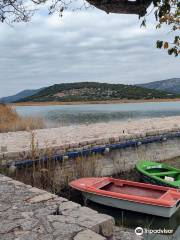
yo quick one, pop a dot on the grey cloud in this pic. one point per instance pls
(83, 46)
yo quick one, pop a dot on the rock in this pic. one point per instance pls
(125, 234)
(27, 236)
(46, 224)
(68, 206)
(29, 224)
(83, 143)
(41, 198)
(16, 183)
(88, 235)
(112, 140)
(9, 236)
(91, 219)
(8, 226)
(4, 178)
(4, 207)
(65, 230)
(45, 211)
(4, 149)
(37, 190)
(28, 213)
(63, 219)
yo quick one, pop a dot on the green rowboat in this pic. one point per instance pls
(159, 173)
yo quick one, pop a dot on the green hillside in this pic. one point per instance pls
(93, 91)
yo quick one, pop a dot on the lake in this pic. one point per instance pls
(59, 115)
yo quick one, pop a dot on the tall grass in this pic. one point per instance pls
(54, 176)
(50, 174)
(10, 121)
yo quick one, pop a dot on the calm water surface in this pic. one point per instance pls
(129, 219)
(92, 113)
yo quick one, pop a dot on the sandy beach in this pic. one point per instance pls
(20, 141)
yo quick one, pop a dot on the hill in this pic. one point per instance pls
(94, 91)
(169, 85)
(18, 96)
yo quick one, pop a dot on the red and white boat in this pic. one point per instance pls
(128, 195)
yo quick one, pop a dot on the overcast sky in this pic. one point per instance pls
(87, 45)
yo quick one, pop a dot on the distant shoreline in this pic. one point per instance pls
(93, 102)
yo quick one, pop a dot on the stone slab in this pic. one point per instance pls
(28, 213)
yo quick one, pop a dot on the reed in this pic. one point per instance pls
(10, 121)
(52, 175)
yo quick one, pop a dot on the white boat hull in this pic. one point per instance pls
(132, 205)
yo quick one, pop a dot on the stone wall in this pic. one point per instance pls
(115, 161)
(28, 213)
(125, 159)
(112, 157)
(10, 154)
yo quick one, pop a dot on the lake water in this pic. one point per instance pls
(132, 220)
(59, 115)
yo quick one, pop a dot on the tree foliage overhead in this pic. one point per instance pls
(23, 10)
(167, 12)
(14, 11)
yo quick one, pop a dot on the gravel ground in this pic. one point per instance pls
(20, 141)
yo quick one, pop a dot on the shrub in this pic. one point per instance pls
(10, 121)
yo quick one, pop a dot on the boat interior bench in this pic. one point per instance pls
(164, 173)
(173, 174)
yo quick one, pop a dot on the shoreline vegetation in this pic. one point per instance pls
(10, 121)
(119, 101)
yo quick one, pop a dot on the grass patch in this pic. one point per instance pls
(10, 121)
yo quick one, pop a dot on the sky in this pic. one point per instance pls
(85, 45)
